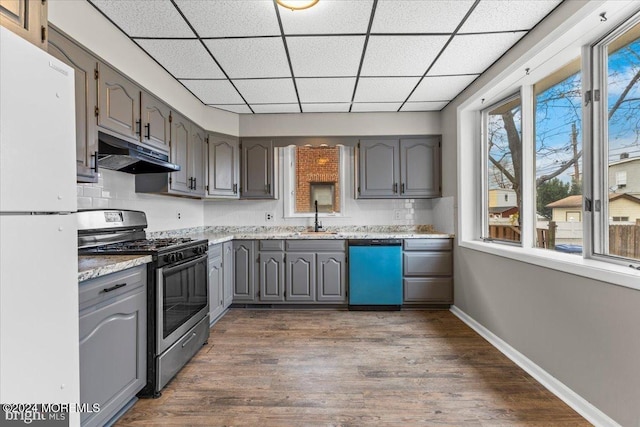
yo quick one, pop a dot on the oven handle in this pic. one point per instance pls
(183, 265)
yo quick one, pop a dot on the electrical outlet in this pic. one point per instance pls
(179, 214)
(397, 214)
(268, 216)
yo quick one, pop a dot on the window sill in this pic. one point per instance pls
(567, 263)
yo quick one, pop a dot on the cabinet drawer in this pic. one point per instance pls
(95, 291)
(427, 263)
(428, 244)
(433, 289)
(215, 250)
(271, 245)
(315, 245)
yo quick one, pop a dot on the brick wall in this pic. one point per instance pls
(316, 165)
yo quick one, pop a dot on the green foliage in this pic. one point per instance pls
(551, 191)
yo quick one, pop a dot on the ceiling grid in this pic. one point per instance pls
(252, 56)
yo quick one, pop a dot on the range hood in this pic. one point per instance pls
(117, 154)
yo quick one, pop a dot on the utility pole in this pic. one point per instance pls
(576, 165)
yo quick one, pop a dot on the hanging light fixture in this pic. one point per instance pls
(297, 4)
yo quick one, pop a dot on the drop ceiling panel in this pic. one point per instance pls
(182, 58)
(391, 89)
(251, 58)
(443, 88)
(213, 91)
(265, 91)
(424, 106)
(276, 108)
(472, 54)
(337, 56)
(401, 55)
(500, 15)
(411, 16)
(326, 108)
(325, 90)
(231, 18)
(371, 106)
(239, 109)
(144, 19)
(329, 17)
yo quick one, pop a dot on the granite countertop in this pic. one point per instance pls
(92, 266)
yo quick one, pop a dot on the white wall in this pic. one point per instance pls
(582, 331)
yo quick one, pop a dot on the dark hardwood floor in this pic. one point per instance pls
(315, 367)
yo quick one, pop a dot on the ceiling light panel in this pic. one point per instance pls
(500, 15)
(441, 88)
(411, 16)
(325, 90)
(239, 108)
(236, 18)
(144, 19)
(183, 58)
(337, 56)
(380, 107)
(424, 106)
(326, 108)
(251, 58)
(329, 17)
(401, 55)
(472, 54)
(390, 89)
(275, 108)
(267, 91)
(213, 91)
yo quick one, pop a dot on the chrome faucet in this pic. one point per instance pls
(316, 225)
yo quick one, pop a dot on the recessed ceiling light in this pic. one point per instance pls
(297, 4)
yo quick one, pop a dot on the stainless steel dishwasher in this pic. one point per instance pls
(375, 274)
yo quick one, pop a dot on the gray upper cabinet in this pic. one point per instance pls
(26, 18)
(332, 277)
(257, 169)
(118, 104)
(223, 167)
(244, 270)
(399, 168)
(180, 140)
(84, 66)
(197, 158)
(300, 276)
(156, 121)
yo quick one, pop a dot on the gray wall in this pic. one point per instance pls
(583, 332)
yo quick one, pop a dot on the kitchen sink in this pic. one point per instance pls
(319, 233)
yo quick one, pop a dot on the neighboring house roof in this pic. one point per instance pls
(501, 209)
(576, 201)
(628, 160)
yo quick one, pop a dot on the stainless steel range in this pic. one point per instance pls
(177, 301)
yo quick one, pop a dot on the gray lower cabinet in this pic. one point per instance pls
(301, 276)
(244, 260)
(216, 282)
(228, 274)
(113, 325)
(271, 276)
(428, 271)
(332, 277)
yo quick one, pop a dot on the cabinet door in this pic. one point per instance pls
(84, 66)
(215, 288)
(332, 277)
(301, 276)
(112, 355)
(244, 262)
(378, 169)
(180, 139)
(118, 103)
(227, 273)
(197, 155)
(222, 180)
(271, 276)
(420, 167)
(26, 18)
(156, 125)
(257, 169)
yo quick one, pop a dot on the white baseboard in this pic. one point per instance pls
(568, 396)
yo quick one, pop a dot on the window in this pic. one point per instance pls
(617, 153)
(317, 173)
(502, 126)
(558, 158)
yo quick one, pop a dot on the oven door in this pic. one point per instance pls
(182, 300)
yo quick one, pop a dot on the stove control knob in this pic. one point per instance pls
(171, 257)
(200, 250)
(180, 256)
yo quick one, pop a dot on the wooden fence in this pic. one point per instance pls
(624, 240)
(505, 232)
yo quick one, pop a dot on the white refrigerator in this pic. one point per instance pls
(39, 361)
